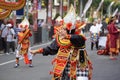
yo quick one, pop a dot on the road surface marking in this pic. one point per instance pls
(4, 63)
(1, 64)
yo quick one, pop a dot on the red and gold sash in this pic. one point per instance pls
(60, 61)
(73, 63)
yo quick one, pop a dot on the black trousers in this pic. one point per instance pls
(1, 48)
(4, 45)
(10, 45)
(92, 45)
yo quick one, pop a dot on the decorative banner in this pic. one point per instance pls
(109, 8)
(35, 14)
(100, 5)
(115, 12)
(112, 3)
(95, 14)
(88, 4)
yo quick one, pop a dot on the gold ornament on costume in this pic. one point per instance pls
(7, 7)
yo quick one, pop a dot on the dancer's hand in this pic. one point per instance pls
(38, 51)
(118, 30)
(34, 52)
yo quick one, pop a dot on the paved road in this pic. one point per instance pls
(103, 68)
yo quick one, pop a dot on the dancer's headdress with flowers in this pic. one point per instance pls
(24, 24)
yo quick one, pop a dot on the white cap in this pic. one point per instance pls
(9, 25)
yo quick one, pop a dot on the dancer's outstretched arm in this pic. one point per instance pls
(51, 49)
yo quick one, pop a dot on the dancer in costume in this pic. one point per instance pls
(71, 61)
(112, 43)
(79, 25)
(113, 36)
(24, 44)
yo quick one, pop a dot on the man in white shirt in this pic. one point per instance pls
(99, 24)
(10, 38)
(94, 34)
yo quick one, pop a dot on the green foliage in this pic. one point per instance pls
(90, 19)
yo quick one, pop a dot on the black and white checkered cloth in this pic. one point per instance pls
(78, 73)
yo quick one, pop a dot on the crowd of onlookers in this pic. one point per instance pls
(97, 29)
(105, 36)
(8, 36)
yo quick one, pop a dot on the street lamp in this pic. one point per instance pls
(115, 12)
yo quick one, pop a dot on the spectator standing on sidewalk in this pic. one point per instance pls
(1, 48)
(4, 31)
(94, 34)
(10, 38)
